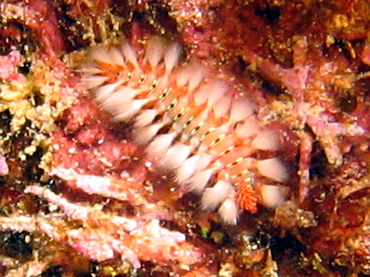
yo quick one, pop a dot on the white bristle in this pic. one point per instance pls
(186, 171)
(120, 103)
(191, 166)
(266, 140)
(196, 77)
(129, 54)
(241, 109)
(273, 169)
(214, 196)
(201, 96)
(145, 118)
(204, 161)
(229, 211)
(200, 180)
(104, 92)
(160, 145)
(182, 77)
(194, 141)
(190, 75)
(124, 111)
(272, 196)
(222, 107)
(91, 69)
(114, 103)
(249, 128)
(176, 155)
(146, 134)
(126, 94)
(101, 55)
(116, 56)
(94, 81)
(172, 56)
(155, 51)
(218, 90)
(210, 93)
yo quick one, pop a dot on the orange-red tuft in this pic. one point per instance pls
(246, 198)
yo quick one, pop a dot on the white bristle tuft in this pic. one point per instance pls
(90, 69)
(186, 171)
(241, 109)
(101, 55)
(221, 108)
(272, 196)
(200, 180)
(145, 118)
(146, 134)
(229, 211)
(201, 96)
(190, 75)
(155, 51)
(93, 82)
(273, 169)
(176, 155)
(127, 94)
(191, 166)
(160, 145)
(125, 111)
(183, 76)
(194, 141)
(116, 56)
(106, 91)
(196, 77)
(113, 103)
(266, 140)
(218, 90)
(129, 54)
(214, 196)
(204, 161)
(172, 56)
(249, 128)
(210, 93)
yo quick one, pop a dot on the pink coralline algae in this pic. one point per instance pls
(106, 234)
(7, 65)
(313, 104)
(4, 168)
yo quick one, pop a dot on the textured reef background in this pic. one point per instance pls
(78, 198)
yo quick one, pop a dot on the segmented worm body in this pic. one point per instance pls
(190, 123)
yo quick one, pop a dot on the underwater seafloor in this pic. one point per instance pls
(79, 198)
